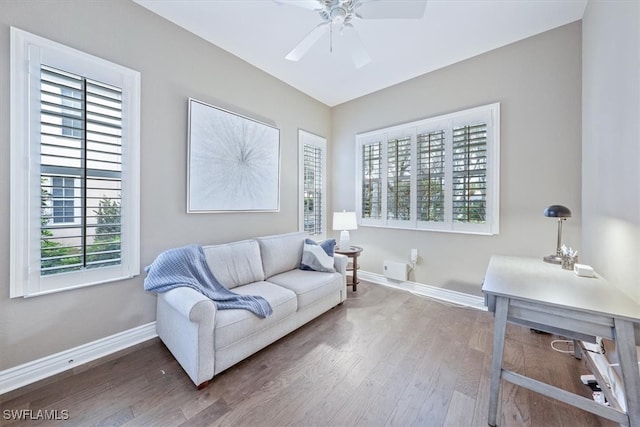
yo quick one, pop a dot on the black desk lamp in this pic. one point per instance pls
(562, 213)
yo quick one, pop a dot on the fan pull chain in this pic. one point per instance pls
(330, 38)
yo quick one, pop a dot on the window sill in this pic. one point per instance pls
(434, 230)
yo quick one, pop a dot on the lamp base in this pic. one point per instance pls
(553, 259)
(345, 241)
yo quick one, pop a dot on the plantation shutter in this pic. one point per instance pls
(313, 179)
(437, 174)
(371, 180)
(399, 178)
(470, 173)
(80, 172)
(430, 176)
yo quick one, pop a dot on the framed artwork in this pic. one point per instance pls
(234, 162)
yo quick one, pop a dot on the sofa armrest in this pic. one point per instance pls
(189, 303)
(185, 323)
(340, 263)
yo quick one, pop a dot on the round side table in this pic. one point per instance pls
(353, 253)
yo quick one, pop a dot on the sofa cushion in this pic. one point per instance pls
(281, 253)
(233, 325)
(309, 286)
(236, 263)
(318, 256)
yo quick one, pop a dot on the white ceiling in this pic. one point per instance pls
(262, 32)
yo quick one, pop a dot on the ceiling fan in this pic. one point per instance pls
(344, 13)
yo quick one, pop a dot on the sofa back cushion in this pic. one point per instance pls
(282, 252)
(235, 264)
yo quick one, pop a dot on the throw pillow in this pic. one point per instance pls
(318, 257)
(329, 246)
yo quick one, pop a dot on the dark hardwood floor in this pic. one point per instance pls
(384, 357)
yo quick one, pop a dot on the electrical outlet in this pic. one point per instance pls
(414, 255)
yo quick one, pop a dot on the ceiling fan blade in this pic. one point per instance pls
(305, 4)
(392, 9)
(359, 53)
(310, 39)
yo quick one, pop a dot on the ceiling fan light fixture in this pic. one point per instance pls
(338, 15)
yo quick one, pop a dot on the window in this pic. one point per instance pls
(75, 123)
(63, 195)
(371, 180)
(440, 173)
(313, 165)
(430, 176)
(399, 179)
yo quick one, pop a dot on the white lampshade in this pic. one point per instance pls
(344, 221)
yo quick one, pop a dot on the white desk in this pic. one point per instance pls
(543, 296)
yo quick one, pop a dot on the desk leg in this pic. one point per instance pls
(499, 331)
(626, 349)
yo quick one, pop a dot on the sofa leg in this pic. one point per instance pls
(203, 385)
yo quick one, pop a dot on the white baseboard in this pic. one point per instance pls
(446, 295)
(30, 372)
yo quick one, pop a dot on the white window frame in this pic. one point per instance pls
(28, 53)
(307, 138)
(490, 114)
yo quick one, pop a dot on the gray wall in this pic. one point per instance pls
(611, 142)
(174, 65)
(537, 81)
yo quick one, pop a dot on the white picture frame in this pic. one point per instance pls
(233, 162)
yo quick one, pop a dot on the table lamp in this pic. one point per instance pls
(562, 213)
(344, 221)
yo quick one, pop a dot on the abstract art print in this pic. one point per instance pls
(234, 162)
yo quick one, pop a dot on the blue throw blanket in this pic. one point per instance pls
(187, 266)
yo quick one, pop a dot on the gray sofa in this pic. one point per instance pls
(206, 341)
